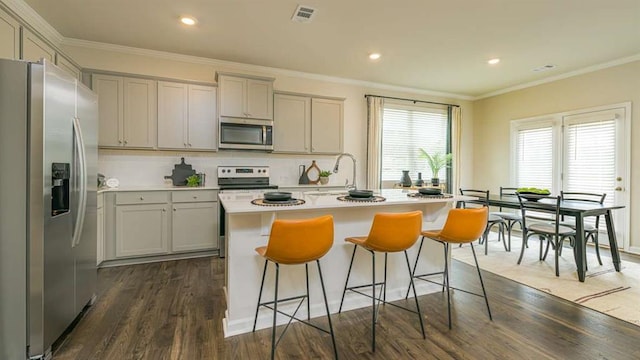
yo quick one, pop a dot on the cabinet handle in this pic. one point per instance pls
(125, 142)
(164, 210)
(189, 144)
(141, 198)
(174, 209)
(195, 197)
(185, 144)
(119, 141)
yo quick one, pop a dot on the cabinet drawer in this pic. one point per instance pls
(193, 196)
(143, 197)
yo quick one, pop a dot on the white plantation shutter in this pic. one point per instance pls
(404, 131)
(534, 158)
(590, 158)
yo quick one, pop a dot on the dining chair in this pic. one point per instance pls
(510, 218)
(591, 231)
(537, 210)
(492, 220)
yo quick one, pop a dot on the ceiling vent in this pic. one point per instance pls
(303, 14)
(544, 68)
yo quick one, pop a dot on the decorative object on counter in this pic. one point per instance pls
(180, 173)
(265, 202)
(313, 173)
(361, 199)
(419, 182)
(102, 181)
(324, 177)
(430, 191)
(405, 180)
(277, 196)
(112, 183)
(202, 177)
(335, 170)
(304, 179)
(360, 193)
(436, 162)
(193, 181)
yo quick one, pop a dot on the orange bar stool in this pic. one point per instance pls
(462, 226)
(390, 232)
(294, 242)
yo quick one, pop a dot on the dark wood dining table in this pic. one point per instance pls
(579, 210)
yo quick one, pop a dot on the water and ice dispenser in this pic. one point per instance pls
(60, 174)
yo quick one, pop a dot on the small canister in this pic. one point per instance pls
(202, 178)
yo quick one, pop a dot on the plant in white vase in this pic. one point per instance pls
(324, 177)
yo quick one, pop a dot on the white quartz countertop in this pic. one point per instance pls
(156, 188)
(241, 202)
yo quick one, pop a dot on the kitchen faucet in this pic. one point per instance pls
(346, 182)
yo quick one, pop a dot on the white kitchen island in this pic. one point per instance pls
(248, 226)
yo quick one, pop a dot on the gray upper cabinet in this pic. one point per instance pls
(9, 37)
(186, 116)
(245, 97)
(127, 111)
(34, 49)
(307, 124)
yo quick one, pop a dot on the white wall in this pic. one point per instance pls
(142, 167)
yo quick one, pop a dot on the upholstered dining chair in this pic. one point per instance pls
(492, 219)
(537, 211)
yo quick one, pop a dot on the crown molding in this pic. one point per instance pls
(253, 68)
(34, 20)
(562, 76)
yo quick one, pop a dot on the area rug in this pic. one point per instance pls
(604, 290)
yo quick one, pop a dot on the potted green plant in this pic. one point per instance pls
(324, 177)
(436, 162)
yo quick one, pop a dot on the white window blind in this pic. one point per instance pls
(590, 149)
(404, 132)
(534, 158)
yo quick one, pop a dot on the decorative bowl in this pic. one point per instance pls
(430, 191)
(361, 193)
(530, 196)
(277, 196)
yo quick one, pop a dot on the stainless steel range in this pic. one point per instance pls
(240, 179)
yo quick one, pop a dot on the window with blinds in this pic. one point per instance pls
(589, 157)
(534, 158)
(404, 131)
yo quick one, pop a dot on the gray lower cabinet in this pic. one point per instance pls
(138, 224)
(142, 230)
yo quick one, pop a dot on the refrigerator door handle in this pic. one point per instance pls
(79, 142)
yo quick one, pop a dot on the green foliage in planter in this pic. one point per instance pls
(436, 161)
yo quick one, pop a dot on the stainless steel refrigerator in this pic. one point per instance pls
(48, 182)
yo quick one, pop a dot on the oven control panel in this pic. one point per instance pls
(225, 172)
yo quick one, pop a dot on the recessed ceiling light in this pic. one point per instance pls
(188, 20)
(493, 61)
(374, 56)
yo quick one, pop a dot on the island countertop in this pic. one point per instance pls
(240, 202)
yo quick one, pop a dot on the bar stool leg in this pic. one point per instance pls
(486, 300)
(275, 314)
(306, 270)
(384, 295)
(264, 272)
(373, 301)
(326, 305)
(415, 295)
(346, 283)
(415, 266)
(446, 276)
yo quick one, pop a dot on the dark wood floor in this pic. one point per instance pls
(174, 310)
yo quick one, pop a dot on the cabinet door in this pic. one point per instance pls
(172, 115)
(326, 126)
(140, 113)
(232, 96)
(202, 124)
(34, 49)
(110, 109)
(259, 99)
(9, 37)
(100, 236)
(195, 226)
(291, 125)
(68, 67)
(141, 230)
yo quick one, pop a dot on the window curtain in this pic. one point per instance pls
(375, 109)
(456, 136)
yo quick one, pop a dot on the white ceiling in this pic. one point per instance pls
(436, 45)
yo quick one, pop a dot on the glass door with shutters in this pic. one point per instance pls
(594, 160)
(578, 151)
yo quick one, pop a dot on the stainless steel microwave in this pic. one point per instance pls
(245, 134)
